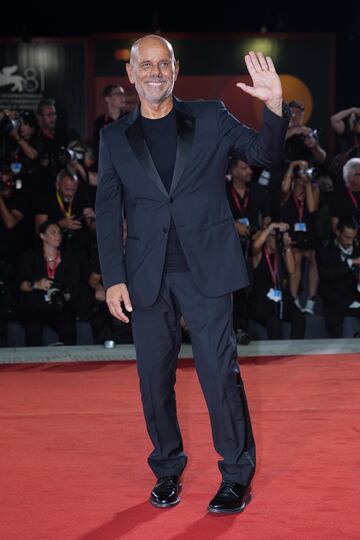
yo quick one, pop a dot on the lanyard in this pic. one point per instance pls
(241, 207)
(51, 271)
(273, 270)
(300, 207)
(351, 195)
(67, 213)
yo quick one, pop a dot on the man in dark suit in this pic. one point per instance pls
(166, 161)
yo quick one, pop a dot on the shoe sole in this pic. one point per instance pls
(165, 505)
(246, 501)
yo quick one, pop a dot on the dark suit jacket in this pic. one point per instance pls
(197, 201)
(338, 283)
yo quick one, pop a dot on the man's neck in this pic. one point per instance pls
(156, 110)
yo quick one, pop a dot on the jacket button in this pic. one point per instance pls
(165, 230)
(171, 200)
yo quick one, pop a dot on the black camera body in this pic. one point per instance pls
(312, 172)
(67, 155)
(7, 124)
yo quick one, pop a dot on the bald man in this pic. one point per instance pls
(166, 162)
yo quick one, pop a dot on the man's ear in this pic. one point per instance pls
(177, 67)
(129, 73)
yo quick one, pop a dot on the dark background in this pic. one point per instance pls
(65, 19)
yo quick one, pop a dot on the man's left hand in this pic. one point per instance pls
(266, 82)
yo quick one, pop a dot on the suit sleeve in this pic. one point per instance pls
(262, 148)
(109, 218)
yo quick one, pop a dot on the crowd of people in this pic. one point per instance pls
(298, 225)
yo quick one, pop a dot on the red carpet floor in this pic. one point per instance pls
(73, 454)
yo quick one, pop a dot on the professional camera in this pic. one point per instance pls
(312, 172)
(67, 155)
(55, 295)
(7, 124)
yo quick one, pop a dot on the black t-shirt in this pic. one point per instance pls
(161, 138)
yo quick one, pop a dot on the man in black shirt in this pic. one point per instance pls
(166, 161)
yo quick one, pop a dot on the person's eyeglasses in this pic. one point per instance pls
(117, 93)
(49, 114)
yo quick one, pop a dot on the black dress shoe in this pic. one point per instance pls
(166, 492)
(230, 498)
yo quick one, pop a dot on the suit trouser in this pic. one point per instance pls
(157, 339)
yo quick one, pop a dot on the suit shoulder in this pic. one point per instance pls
(203, 106)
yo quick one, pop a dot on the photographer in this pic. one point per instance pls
(299, 204)
(70, 208)
(270, 300)
(345, 200)
(346, 124)
(20, 128)
(302, 142)
(339, 264)
(48, 281)
(250, 209)
(81, 159)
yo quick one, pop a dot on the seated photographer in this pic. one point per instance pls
(299, 203)
(339, 265)
(70, 208)
(345, 200)
(270, 300)
(49, 281)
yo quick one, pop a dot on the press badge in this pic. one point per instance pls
(244, 221)
(275, 295)
(300, 227)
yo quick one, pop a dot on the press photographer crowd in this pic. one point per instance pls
(298, 224)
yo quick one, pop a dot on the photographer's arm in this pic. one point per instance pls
(28, 150)
(288, 254)
(312, 195)
(337, 120)
(10, 217)
(259, 239)
(286, 183)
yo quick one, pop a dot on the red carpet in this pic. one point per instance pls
(74, 448)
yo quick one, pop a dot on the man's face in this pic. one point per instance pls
(346, 237)
(297, 117)
(117, 98)
(153, 70)
(354, 180)
(47, 118)
(241, 171)
(67, 188)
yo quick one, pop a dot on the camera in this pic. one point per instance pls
(67, 155)
(7, 124)
(312, 172)
(55, 296)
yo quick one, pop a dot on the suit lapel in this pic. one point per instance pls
(185, 124)
(137, 142)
